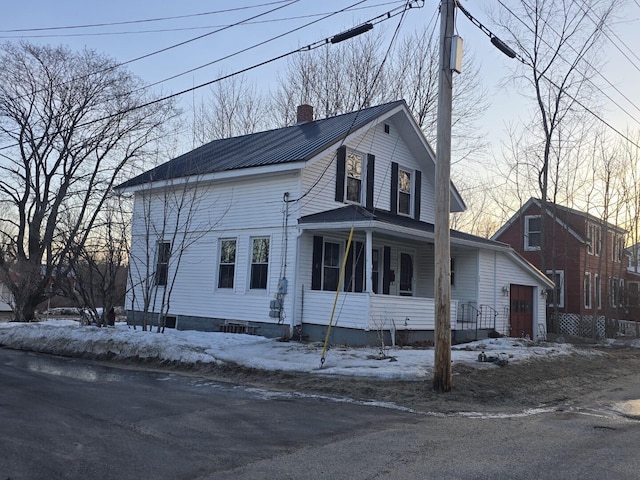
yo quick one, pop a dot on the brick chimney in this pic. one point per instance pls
(304, 113)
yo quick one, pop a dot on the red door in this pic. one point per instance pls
(521, 316)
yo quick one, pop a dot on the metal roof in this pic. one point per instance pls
(355, 213)
(299, 142)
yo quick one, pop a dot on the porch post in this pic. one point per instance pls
(368, 285)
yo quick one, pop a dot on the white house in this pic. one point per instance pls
(261, 246)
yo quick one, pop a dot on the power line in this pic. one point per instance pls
(584, 76)
(561, 89)
(381, 18)
(147, 20)
(256, 45)
(202, 27)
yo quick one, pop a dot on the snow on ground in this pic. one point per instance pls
(67, 337)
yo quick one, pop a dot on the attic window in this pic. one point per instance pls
(387, 129)
(532, 232)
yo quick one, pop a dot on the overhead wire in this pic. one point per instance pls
(584, 76)
(379, 19)
(162, 50)
(146, 20)
(201, 27)
(542, 75)
(256, 45)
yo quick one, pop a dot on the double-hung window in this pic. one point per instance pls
(532, 232)
(404, 192)
(330, 266)
(355, 161)
(555, 296)
(259, 263)
(587, 290)
(227, 263)
(162, 263)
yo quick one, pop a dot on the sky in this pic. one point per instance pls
(130, 41)
(67, 337)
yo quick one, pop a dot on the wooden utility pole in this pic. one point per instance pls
(442, 376)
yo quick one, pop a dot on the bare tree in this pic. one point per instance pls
(235, 107)
(169, 221)
(69, 123)
(558, 41)
(98, 268)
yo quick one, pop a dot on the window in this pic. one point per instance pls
(404, 192)
(618, 249)
(375, 271)
(162, 263)
(227, 263)
(406, 274)
(330, 266)
(555, 296)
(259, 263)
(354, 176)
(616, 292)
(598, 291)
(594, 240)
(532, 232)
(587, 290)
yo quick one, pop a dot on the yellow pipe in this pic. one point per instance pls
(335, 300)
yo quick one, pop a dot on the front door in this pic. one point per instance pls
(521, 316)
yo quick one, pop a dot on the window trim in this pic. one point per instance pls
(253, 263)
(363, 176)
(220, 263)
(411, 192)
(340, 245)
(527, 232)
(161, 280)
(594, 240)
(586, 290)
(560, 274)
(407, 293)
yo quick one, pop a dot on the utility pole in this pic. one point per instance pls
(442, 375)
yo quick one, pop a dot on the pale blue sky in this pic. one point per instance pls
(506, 106)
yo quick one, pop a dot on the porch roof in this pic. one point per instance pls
(360, 217)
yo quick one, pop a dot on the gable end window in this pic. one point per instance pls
(354, 170)
(227, 263)
(404, 192)
(532, 232)
(162, 263)
(352, 174)
(259, 263)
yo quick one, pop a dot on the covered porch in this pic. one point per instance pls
(389, 276)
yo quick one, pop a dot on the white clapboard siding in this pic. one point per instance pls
(406, 313)
(319, 177)
(351, 309)
(237, 210)
(497, 271)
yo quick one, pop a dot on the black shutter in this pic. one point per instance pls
(359, 280)
(386, 271)
(341, 161)
(316, 267)
(416, 196)
(394, 187)
(371, 160)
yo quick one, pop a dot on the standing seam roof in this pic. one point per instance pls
(299, 142)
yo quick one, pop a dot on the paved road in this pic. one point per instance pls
(71, 419)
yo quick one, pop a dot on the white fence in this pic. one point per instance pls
(583, 326)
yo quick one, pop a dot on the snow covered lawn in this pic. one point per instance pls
(67, 337)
